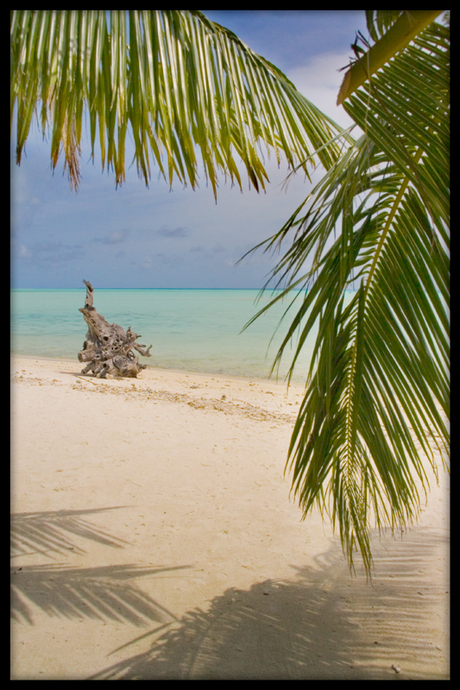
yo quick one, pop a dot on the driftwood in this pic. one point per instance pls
(108, 348)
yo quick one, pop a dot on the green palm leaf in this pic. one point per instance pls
(179, 82)
(377, 396)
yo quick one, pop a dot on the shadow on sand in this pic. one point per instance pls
(50, 531)
(321, 625)
(107, 593)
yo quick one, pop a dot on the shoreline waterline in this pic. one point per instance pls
(191, 330)
(152, 371)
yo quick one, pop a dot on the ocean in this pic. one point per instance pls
(198, 330)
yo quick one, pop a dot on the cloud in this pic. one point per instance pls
(24, 252)
(114, 237)
(321, 71)
(214, 249)
(146, 263)
(175, 233)
(159, 260)
(52, 253)
(319, 80)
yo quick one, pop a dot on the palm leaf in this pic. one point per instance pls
(377, 396)
(178, 81)
(402, 26)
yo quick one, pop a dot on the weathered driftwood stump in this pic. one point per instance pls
(108, 348)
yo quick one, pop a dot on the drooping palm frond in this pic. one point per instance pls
(176, 81)
(377, 396)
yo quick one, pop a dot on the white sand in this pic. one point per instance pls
(154, 537)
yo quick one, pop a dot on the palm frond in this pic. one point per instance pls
(377, 395)
(188, 90)
(402, 26)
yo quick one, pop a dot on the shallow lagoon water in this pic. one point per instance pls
(194, 330)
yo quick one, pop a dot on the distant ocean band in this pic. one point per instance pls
(189, 329)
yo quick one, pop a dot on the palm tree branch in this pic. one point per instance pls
(174, 78)
(376, 399)
(406, 27)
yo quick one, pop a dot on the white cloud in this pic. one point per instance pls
(114, 237)
(319, 80)
(55, 253)
(173, 232)
(24, 252)
(147, 263)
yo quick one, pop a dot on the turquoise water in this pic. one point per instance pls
(193, 330)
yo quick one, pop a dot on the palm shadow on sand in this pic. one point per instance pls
(51, 532)
(321, 625)
(107, 592)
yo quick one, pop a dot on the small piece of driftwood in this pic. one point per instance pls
(108, 348)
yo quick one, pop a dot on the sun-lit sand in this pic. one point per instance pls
(153, 536)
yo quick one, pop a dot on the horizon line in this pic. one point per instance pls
(267, 289)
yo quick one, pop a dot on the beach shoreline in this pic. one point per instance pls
(278, 381)
(166, 370)
(154, 536)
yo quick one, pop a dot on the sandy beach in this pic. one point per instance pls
(153, 536)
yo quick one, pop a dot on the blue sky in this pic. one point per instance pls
(142, 237)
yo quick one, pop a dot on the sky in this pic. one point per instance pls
(151, 237)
